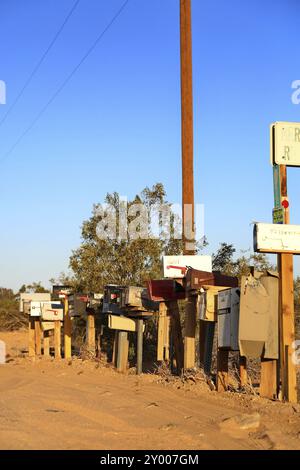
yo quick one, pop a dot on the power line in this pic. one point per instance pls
(65, 82)
(38, 65)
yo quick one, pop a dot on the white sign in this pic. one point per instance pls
(285, 143)
(277, 238)
(175, 267)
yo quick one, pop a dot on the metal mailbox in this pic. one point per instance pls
(52, 311)
(228, 319)
(113, 299)
(258, 326)
(78, 304)
(26, 299)
(196, 279)
(208, 303)
(175, 267)
(137, 299)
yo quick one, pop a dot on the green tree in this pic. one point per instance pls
(224, 261)
(122, 261)
(35, 287)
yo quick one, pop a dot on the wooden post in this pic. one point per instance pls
(268, 379)
(202, 341)
(47, 343)
(115, 348)
(57, 339)
(31, 334)
(187, 126)
(140, 335)
(123, 347)
(190, 333)
(67, 330)
(243, 371)
(99, 345)
(176, 334)
(222, 370)
(167, 339)
(161, 331)
(91, 333)
(38, 337)
(188, 222)
(287, 324)
(209, 345)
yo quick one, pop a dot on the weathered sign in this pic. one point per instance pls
(285, 143)
(277, 238)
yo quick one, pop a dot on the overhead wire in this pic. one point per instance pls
(65, 82)
(40, 62)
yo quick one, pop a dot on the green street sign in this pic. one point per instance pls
(278, 215)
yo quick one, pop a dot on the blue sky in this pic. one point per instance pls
(116, 125)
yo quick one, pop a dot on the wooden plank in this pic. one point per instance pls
(173, 310)
(209, 345)
(57, 339)
(202, 341)
(222, 370)
(123, 348)
(91, 333)
(243, 371)
(190, 333)
(268, 379)
(161, 331)
(31, 337)
(115, 348)
(38, 336)
(67, 330)
(167, 339)
(46, 344)
(140, 338)
(122, 323)
(99, 345)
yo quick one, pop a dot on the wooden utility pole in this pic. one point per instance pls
(188, 217)
(187, 127)
(287, 312)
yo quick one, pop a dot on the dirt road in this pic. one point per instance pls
(83, 405)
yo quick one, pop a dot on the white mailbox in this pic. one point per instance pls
(35, 309)
(26, 299)
(228, 319)
(52, 311)
(175, 267)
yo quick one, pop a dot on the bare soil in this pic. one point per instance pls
(49, 404)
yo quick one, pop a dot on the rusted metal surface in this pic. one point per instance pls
(196, 279)
(165, 290)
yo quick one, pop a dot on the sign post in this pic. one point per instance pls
(283, 239)
(287, 326)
